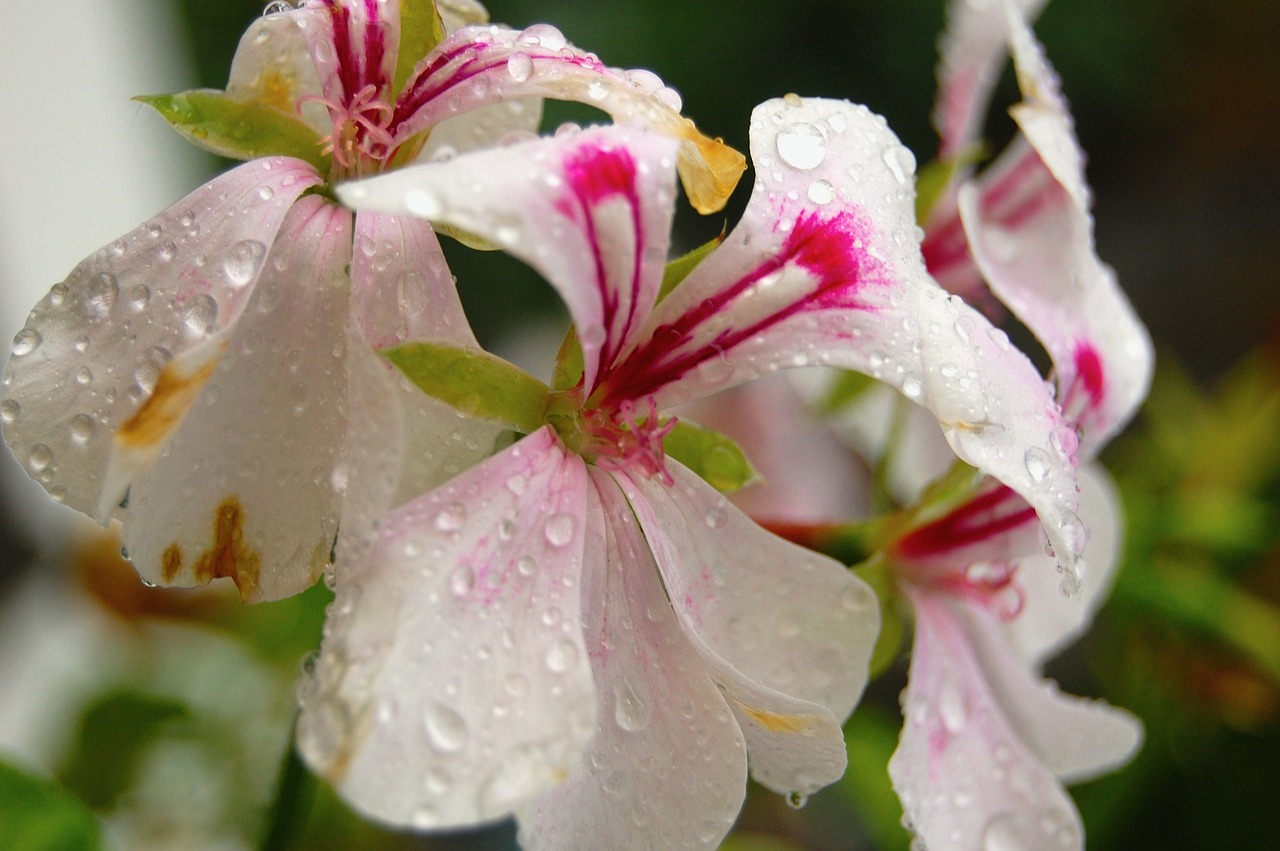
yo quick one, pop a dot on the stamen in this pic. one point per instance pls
(630, 442)
(360, 142)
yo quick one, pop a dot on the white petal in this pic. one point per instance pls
(965, 777)
(453, 684)
(591, 212)
(667, 767)
(482, 127)
(91, 361)
(273, 65)
(1049, 620)
(245, 490)
(785, 632)
(1076, 738)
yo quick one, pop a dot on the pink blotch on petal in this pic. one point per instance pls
(1090, 373)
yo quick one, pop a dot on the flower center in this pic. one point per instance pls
(625, 439)
(360, 143)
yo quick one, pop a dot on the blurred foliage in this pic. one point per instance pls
(37, 815)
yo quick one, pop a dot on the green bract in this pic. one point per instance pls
(240, 130)
(711, 455)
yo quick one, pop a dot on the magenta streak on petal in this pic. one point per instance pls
(826, 248)
(437, 77)
(596, 174)
(375, 46)
(1088, 388)
(996, 512)
(945, 246)
(348, 62)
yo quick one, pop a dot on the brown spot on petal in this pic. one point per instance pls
(275, 89)
(229, 556)
(776, 723)
(162, 413)
(171, 563)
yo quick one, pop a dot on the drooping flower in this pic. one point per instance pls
(254, 303)
(505, 644)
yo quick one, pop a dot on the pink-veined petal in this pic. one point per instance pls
(90, 378)
(243, 490)
(1037, 254)
(971, 53)
(273, 65)
(353, 44)
(965, 778)
(479, 66)
(591, 212)
(482, 127)
(667, 767)
(453, 684)
(1049, 621)
(785, 632)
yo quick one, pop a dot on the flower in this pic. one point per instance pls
(237, 304)
(505, 645)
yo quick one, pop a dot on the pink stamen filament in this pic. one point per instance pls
(360, 142)
(624, 440)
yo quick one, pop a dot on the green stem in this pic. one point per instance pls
(291, 809)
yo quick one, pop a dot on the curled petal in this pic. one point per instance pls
(478, 66)
(1035, 248)
(253, 459)
(453, 684)
(91, 376)
(273, 65)
(971, 55)
(982, 740)
(591, 212)
(354, 46)
(667, 767)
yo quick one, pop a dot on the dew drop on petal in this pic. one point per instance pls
(139, 296)
(526, 566)
(802, 145)
(102, 293)
(561, 656)
(1037, 463)
(200, 313)
(901, 162)
(630, 712)
(451, 517)
(26, 341)
(446, 729)
(912, 386)
(520, 67)
(951, 707)
(1007, 832)
(797, 800)
(9, 410)
(39, 458)
(462, 581)
(81, 429)
(716, 517)
(822, 192)
(559, 530)
(242, 261)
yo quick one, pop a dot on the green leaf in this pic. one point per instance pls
(39, 815)
(933, 179)
(241, 130)
(677, 270)
(871, 736)
(475, 382)
(711, 455)
(569, 363)
(420, 31)
(114, 733)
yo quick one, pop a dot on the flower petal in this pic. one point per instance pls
(667, 767)
(354, 44)
(91, 375)
(591, 212)
(478, 66)
(786, 633)
(1037, 254)
(971, 55)
(273, 65)
(1049, 620)
(965, 777)
(244, 490)
(453, 684)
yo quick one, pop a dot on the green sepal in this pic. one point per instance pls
(474, 382)
(933, 179)
(421, 29)
(711, 455)
(678, 269)
(238, 129)
(39, 815)
(569, 362)
(878, 573)
(847, 389)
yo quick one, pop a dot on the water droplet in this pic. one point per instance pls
(102, 293)
(39, 458)
(797, 800)
(1008, 832)
(200, 313)
(822, 192)
(912, 386)
(446, 729)
(26, 341)
(630, 711)
(1038, 464)
(139, 296)
(451, 517)
(1074, 530)
(801, 146)
(277, 7)
(81, 429)
(242, 261)
(901, 162)
(9, 410)
(462, 581)
(545, 35)
(561, 656)
(520, 67)
(716, 517)
(560, 529)
(597, 89)
(438, 781)
(951, 706)
(168, 251)
(526, 565)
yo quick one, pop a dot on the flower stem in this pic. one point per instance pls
(291, 809)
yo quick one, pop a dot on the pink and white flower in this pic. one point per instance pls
(236, 304)
(546, 633)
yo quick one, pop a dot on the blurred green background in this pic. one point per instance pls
(1177, 103)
